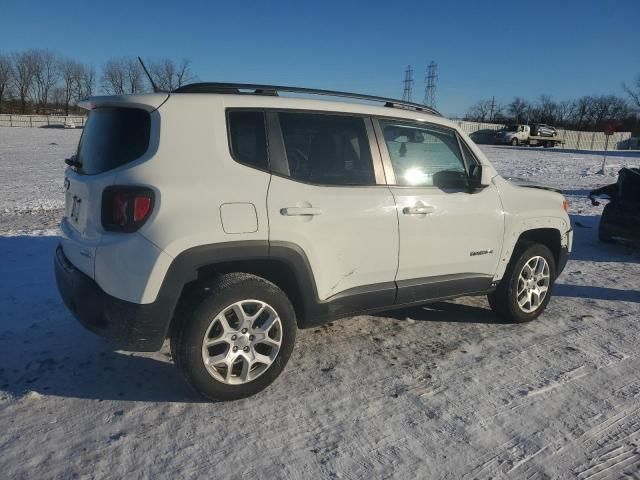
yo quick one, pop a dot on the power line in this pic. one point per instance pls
(408, 84)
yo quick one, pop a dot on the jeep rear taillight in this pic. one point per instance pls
(126, 209)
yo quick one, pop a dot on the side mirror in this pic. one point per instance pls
(475, 177)
(450, 179)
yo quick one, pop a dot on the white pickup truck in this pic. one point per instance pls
(521, 135)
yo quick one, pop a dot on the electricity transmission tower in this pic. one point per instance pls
(492, 106)
(408, 84)
(430, 86)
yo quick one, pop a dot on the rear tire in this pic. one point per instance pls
(235, 336)
(514, 142)
(509, 300)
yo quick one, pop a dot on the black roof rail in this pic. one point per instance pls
(236, 88)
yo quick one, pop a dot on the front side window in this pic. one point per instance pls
(425, 156)
(247, 135)
(327, 149)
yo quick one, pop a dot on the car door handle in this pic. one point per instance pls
(292, 211)
(418, 210)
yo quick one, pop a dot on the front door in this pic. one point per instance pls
(450, 238)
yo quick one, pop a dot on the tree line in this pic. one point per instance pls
(584, 113)
(40, 81)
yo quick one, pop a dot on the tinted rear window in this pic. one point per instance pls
(113, 137)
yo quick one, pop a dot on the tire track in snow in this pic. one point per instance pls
(613, 446)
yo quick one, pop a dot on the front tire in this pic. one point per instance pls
(237, 338)
(525, 290)
(514, 142)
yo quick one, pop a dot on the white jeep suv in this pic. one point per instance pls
(225, 217)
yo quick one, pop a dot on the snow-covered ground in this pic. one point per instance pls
(31, 174)
(444, 391)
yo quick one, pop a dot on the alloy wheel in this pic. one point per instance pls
(533, 284)
(242, 342)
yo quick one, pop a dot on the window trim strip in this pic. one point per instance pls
(228, 111)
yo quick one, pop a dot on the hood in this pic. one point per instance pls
(521, 182)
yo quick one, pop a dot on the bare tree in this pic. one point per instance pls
(605, 108)
(134, 75)
(547, 108)
(23, 75)
(85, 82)
(518, 108)
(480, 112)
(123, 75)
(634, 91)
(71, 71)
(58, 98)
(581, 111)
(564, 111)
(46, 74)
(114, 77)
(168, 75)
(5, 78)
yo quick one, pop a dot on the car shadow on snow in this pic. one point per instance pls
(43, 349)
(444, 312)
(579, 192)
(587, 247)
(596, 293)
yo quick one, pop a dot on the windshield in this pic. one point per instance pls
(113, 137)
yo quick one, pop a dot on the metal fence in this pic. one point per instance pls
(572, 139)
(11, 120)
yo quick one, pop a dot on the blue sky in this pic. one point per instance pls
(482, 48)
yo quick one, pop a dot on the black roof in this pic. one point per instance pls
(255, 89)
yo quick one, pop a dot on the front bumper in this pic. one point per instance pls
(129, 326)
(563, 258)
(565, 251)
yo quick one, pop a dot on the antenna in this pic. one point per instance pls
(430, 87)
(408, 84)
(153, 84)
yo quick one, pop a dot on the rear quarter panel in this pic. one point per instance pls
(193, 175)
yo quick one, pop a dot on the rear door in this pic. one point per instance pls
(450, 238)
(327, 196)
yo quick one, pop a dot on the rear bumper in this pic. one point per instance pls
(129, 326)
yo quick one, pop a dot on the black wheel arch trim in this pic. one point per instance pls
(144, 327)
